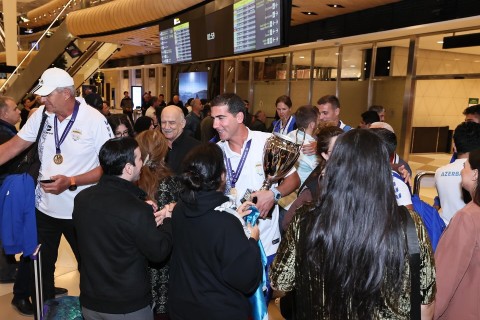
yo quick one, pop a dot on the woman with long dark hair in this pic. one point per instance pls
(308, 192)
(214, 266)
(458, 255)
(347, 258)
(163, 189)
(120, 125)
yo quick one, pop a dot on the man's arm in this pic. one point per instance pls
(12, 148)
(61, 182)
(265, 200)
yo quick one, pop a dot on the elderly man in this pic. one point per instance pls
(179, 143)
(243, 156)
(68, 148)
(117, 233)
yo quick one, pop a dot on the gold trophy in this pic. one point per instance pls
(279, 156)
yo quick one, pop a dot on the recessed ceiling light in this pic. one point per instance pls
(309, 13)
(338, 6)
(440, 42)
(301, 57)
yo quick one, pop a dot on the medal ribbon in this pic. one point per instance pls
(233, 176)
(58, 142)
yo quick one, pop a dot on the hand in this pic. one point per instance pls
(244, 210)
(153, 204)
(60, 183)
(254, 231)
(165, 212)
(310, 149)
(265, 202)
(405, 174)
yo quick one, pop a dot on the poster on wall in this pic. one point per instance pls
(193, 85)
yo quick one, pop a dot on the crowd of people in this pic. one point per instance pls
(168, 215)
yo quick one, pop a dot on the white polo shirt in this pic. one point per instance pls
(80, 151)
(252, 177)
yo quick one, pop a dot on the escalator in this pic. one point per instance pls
(81, 64)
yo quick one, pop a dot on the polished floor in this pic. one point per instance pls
(67, 276)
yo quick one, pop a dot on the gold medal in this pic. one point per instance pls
(58, 158)
(233, 192)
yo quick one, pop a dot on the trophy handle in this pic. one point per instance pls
(296, 136)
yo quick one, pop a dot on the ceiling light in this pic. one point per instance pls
(338, 6)
(302, 57)
(309, 13)
(440, 42)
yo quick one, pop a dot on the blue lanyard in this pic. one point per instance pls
(58, 142)
(233, 176)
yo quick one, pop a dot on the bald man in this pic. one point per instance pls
(179, 143)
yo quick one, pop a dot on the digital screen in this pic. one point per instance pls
(256, 25)
(175, 44)
(193, 85)
(245, 26)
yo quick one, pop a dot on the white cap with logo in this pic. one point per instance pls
(52, 79)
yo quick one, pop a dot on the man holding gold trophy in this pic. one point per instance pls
(251, 175)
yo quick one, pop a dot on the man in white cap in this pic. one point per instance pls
(68, 149)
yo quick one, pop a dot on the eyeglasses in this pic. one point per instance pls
(119, 134)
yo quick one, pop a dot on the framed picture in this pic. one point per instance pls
(138, 73)
(151, 73)
(125, 74)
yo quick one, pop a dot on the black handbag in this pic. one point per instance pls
(31, 162)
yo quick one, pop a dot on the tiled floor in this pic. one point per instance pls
(67, 276)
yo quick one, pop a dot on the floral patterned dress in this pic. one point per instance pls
(168, 191)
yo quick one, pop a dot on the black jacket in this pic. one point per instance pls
(180, 147)
(116, 234)
(214, 266)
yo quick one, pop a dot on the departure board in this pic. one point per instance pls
(175, 44)
(245, 26)
(256, 25)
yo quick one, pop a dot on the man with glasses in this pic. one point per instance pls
(68, 148)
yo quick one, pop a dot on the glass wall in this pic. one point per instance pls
(270, 75)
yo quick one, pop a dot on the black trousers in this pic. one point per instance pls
(50, 231)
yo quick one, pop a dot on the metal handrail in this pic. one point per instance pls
(418, 178)
(33, 48)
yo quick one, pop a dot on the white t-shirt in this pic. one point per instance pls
(449, 188)
(80, 151)
(305, 164)
(402, 192)
(252, 177)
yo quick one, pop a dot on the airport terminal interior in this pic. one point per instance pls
(418, 59)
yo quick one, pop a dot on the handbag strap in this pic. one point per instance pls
(414, 262)
(42, 124)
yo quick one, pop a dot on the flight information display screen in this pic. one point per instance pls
(245, 26)
(175, 44)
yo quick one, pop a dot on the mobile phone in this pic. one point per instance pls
(47, 181)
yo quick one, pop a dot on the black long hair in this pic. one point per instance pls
(355, 240)
(203, 170)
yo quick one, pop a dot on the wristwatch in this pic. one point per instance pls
(276, 194)
(73, 184)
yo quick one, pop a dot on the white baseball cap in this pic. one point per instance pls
(52, 79)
